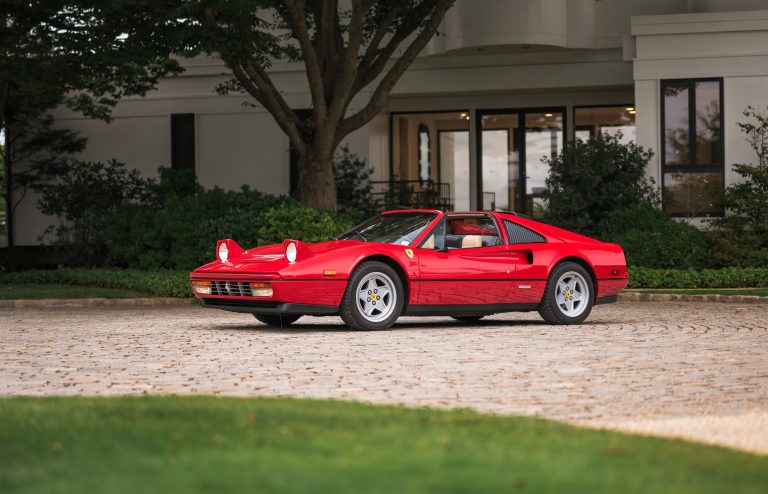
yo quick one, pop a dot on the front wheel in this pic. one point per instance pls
(569, 295)
(374, 297)
(276, 320)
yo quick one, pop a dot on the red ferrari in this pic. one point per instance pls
(418, 263)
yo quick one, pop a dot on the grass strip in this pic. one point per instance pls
(172, 444)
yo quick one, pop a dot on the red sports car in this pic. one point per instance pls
(418, 263)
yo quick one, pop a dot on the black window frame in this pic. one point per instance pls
(183, 159)
(692, 167)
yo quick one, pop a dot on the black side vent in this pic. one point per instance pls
(521, 235)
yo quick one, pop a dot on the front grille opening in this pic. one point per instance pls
(231, 288)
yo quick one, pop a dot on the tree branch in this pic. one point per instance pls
(295, 19)
(347, 74)
(379, 96)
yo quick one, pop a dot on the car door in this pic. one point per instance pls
(467, 275)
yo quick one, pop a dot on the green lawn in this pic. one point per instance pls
(761, 292)
(228, 445)
(30, 291)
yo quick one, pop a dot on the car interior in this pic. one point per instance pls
(464, 232)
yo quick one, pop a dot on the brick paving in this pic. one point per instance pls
(694, 370)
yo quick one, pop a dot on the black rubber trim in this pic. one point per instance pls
(466, 309)
(606, 300)
(260, 307)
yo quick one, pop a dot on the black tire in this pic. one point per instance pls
(555, 313)
(276, 320)
(390, 304)
(468, 319)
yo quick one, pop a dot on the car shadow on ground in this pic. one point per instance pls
(339, 327)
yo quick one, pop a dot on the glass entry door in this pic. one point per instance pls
(512, 146)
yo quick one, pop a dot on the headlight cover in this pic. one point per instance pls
(290, 252)
(223, 252)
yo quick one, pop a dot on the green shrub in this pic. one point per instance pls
(741, 237)
(158, 283)
(691, 278)
(182, 233)
(353, 183)
(590, 179)
(652, 239)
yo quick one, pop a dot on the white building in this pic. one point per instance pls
(507, 83)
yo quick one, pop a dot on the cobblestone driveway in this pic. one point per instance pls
(695, 370)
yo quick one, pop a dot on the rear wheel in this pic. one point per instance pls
(276, 320)
(569, 295)
(374, 297)
(467, 319)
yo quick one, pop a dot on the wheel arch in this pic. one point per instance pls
(583, 263)
(391, 262)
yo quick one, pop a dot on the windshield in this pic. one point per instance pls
(392, 228)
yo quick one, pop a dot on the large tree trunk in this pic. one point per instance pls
(317, 186)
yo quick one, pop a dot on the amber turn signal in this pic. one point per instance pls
(260, 289)
(201, 287)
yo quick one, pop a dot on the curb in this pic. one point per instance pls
(681, 297)
(96, 302)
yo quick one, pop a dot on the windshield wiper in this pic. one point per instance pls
(361, 235)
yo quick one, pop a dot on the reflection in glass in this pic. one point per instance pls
(454, 165)
(612, 120)
(693, 194)
(708, 137)
(543, 138)
(424, 168)
(500, 161)
(676, 124)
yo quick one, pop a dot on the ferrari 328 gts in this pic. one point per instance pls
(418, 263)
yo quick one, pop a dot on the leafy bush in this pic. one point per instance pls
(691, 278)
(83, 195)
(158, 283)
(181, 234)
(353, 183)
(652, 239)
(590, 179)
(741, 237)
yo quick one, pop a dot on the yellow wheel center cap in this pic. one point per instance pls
(567, 293)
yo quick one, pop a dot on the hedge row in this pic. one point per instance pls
(176, 283)
(705, 278)
(157, 283)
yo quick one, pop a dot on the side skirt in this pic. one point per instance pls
(466, 310)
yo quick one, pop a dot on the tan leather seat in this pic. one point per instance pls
(430, 243)
(470, 241)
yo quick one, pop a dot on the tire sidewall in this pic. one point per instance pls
(350, 311)
(551, 294)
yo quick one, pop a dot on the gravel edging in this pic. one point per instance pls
(97, 302)
(172, 301)
(682, 297)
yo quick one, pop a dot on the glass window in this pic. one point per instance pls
(392, 228)
(543, 138)
(183, 141)
(467, 232)
(430, 157)
(592, 121)
(692, 154)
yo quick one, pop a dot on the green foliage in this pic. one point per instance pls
(692, 278)
(157, 283)
(179, 230)
(353, 183)
(83, 195)
(652, 239)
(589, 179)
(741, 237)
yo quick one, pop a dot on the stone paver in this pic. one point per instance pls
(691, 370)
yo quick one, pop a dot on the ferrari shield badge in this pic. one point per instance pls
(409, 253)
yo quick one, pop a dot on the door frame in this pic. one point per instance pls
(521, 179)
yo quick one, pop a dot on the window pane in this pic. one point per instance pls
(610, 120)
(500, 161)
(543, 138)
(708, 136)
(425, 165)
(693, 194)
(676, 124)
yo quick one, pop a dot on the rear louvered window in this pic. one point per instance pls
(521, 235)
